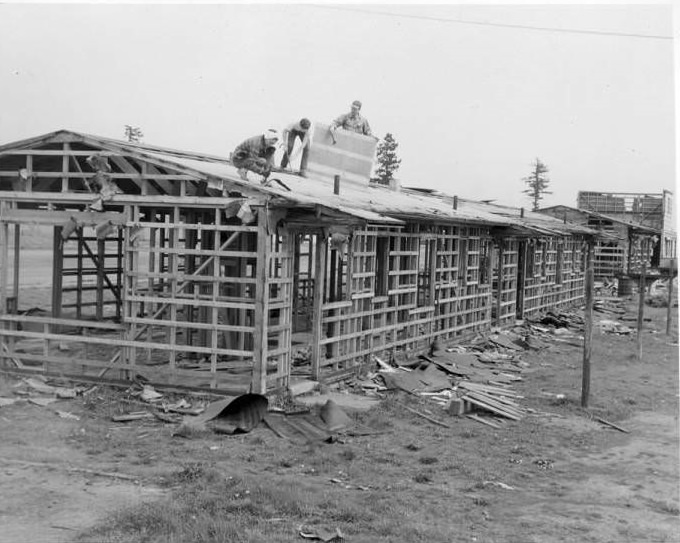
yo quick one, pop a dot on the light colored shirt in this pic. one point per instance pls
(354, 123)
(295, 127)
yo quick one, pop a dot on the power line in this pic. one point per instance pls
(503, 25)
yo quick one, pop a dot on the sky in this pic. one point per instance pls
(472, 93)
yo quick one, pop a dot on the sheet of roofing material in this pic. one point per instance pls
(351, 156)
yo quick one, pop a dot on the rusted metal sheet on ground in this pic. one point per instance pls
(240, 414)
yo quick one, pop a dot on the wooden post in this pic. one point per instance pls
(669, 310)
(57, 269)
(455, 202)
(4, 262)
(259, 381)
(101, 271)
(588, 331)
(17, 266)
(215, 332)
(336, 184)
(644, 249)
(319, 279)
(499, 285)
(79, 277)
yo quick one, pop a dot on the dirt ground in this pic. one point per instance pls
(556, 475)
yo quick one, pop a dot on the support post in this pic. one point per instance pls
(259, 381)
(101, 272)
(669, 309)
(499, 284)
(17, 267)
(644, 250)
(4, 262)
(319, 279)
(57, 269)
(588, 332)
(336, 184)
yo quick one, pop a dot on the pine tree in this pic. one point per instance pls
(388, 163)
(537, 182)
(133, 133)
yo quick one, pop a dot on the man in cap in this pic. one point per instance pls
(299, 129)
(256, 154)
(352, 121)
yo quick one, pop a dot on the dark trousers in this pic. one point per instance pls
(292, 136)
(259, 165)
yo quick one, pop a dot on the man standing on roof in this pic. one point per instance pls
(352, 121)
(299, 129)
(256, 154)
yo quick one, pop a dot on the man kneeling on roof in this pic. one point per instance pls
(256, 154)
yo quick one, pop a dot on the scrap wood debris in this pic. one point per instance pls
(475, 379)
(321, 534)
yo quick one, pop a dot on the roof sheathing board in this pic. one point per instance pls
(367, 202)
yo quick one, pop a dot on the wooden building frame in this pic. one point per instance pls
(618, 251)
(177, 270)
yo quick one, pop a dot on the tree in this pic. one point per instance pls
(537, 182)
(133, 133)
(388, 163)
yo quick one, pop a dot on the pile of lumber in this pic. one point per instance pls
(497, 400)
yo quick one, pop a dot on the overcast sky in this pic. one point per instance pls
(471, 105)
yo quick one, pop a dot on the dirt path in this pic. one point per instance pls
(41, 504)
(625, 491)
(50, 489)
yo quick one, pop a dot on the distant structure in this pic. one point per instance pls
(650, 210)
(624, 221)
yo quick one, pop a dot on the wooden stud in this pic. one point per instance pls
(669, 309)
(214, 332)
(588, 331)
(259, 378)
(173, 264)
(4, 263)
(101, 274)
(321, 248)
(79, 271)
(65, 168)
(57, 269)
(17, 265)
(641, 300)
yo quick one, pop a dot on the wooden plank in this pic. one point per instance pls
(483, 421)
(607, 423)
(64, 174)
(117, 342)
(321, 247)
(642, 290)
(186, 300)
(209, 202)
(669, 309)
(426, 417)
(59, 218)
(485, 405)
(259, 378)
(513, 409)
(57, 266)
(75, 323)
(4, 264)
